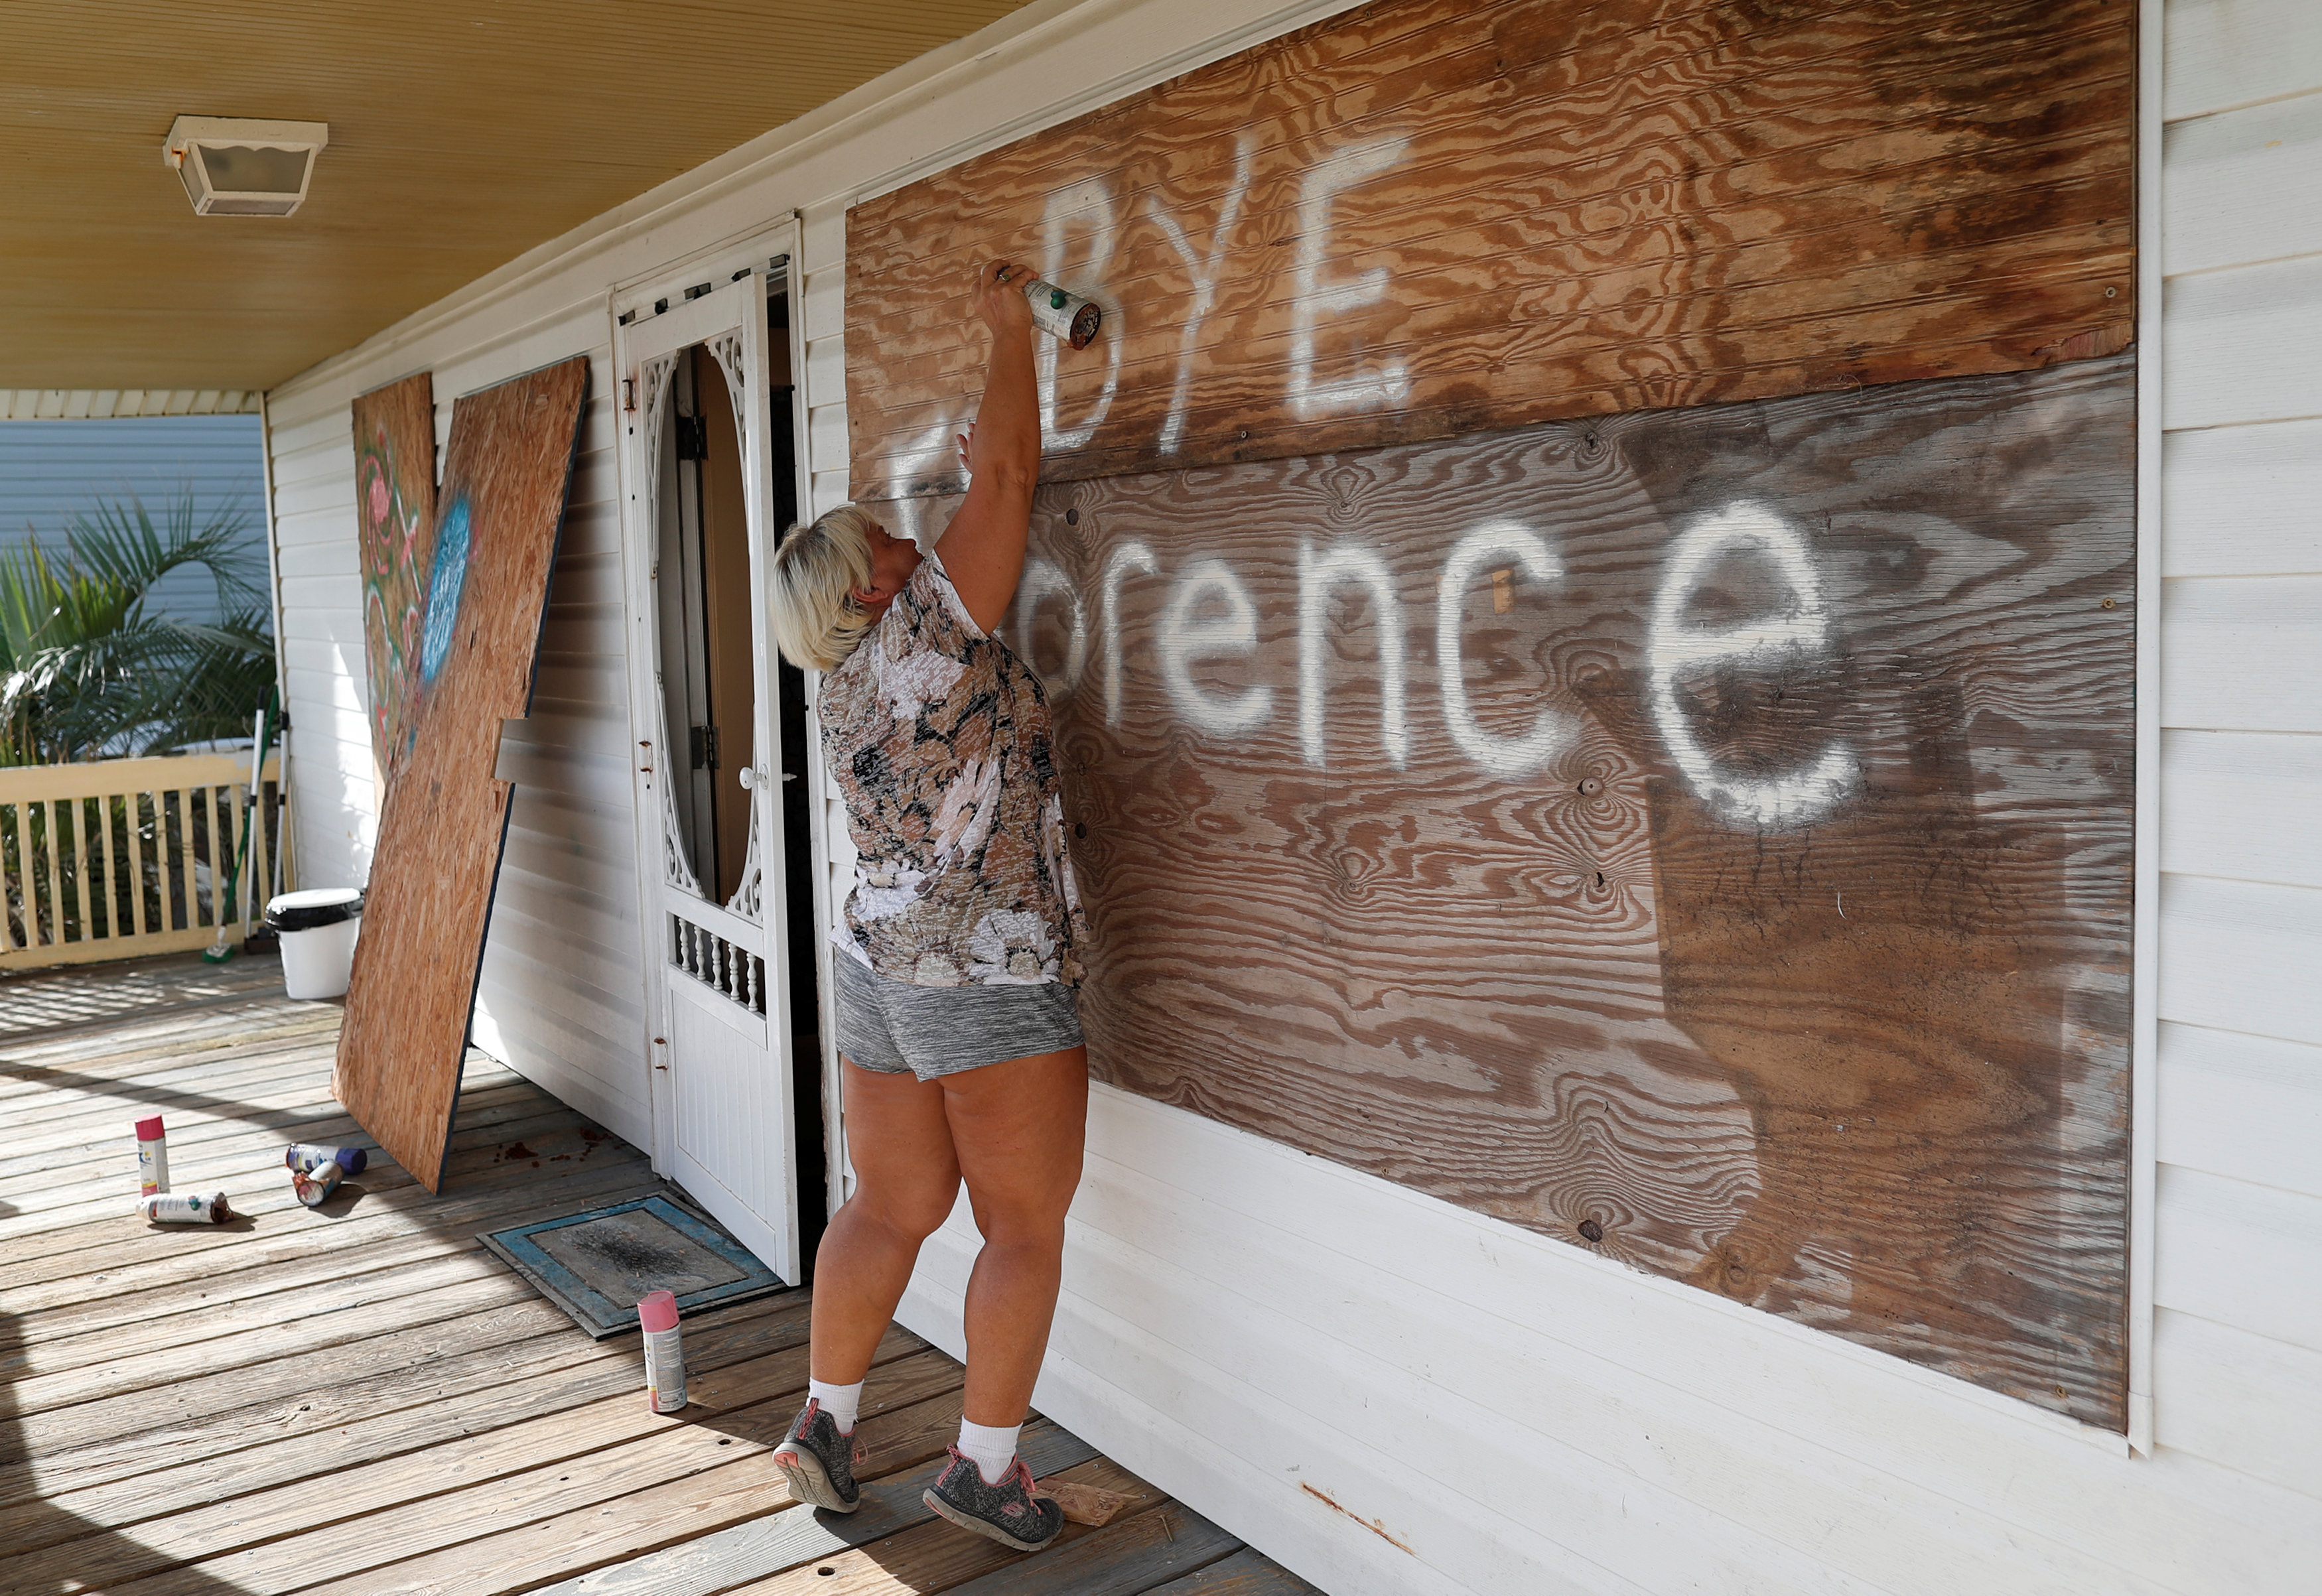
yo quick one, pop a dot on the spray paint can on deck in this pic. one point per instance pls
(311, 1186)
(153, 1157)
(305, 1156)
(185, 1208)
(664, 1357)
(1063, 313)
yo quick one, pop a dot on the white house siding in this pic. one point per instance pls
(1393, 1394)
(2237, 1330)
(53, 471)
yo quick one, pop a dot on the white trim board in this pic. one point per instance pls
(2144, 956)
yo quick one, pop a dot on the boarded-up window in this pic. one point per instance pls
(1587, 585)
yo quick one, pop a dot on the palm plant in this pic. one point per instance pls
(89, 666)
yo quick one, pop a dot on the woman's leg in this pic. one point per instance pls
(1016, 1129)
(906, 1180)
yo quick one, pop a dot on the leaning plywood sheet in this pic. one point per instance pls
(1699, 835)
(395, 533)
(1429, 217)
(506, 471)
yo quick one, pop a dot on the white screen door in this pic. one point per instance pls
(697, 501)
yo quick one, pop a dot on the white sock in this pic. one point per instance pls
(991, 1448)
(842, 1402)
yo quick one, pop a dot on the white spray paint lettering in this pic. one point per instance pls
(1502, 756)
(1189, 635)
(1088, 205)
(1132, 555)
(1675, 647)
(1204, 273)
(1350, 564)
(1316, 299)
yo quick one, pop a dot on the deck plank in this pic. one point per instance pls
(898, 1428)
(1125, 1557)
(95, 1245)
(284, 1538)
(357, 1401)
(44, 1228)
(362, 1242)
(522, 1362)
(1245, 1573)
(724, 1562)
(935, 1556)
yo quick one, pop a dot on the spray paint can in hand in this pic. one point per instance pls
(305, 1156)
(311, 1186)
(185, 1208)
(664, 1358)
(153, 1157)
(1061, 312)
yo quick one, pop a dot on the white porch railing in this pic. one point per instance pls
(114, 859)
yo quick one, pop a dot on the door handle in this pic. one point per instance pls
(752, 777)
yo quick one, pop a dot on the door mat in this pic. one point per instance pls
(596, 1265)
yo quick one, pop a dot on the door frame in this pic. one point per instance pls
(770, 259)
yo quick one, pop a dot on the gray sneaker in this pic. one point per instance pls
(1008, 1512)
(819, 1462)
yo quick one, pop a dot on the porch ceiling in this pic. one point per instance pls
(462, 134)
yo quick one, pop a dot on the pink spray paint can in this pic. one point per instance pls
(153, 1157)
(664, 1358)
(185, 1208)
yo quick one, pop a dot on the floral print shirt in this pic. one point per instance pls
(938, 736)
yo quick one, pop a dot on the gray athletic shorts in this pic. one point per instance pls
(892, 1025)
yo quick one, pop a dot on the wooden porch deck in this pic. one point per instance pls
(359, 1401)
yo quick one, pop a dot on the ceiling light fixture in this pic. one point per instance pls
(232, 167)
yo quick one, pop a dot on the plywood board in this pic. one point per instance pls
(505, 470)
(1702, 835)
(1429, 217)
(394, 538)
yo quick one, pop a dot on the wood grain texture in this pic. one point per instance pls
(934, 1556)
(1429, 217)
(506, 471)
(395, 540)
(1591, 944)
(442, 1429)
(1245, 1573)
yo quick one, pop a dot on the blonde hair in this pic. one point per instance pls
(811, 607)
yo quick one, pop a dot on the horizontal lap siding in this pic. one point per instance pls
(2238, 1355)
(332, 780)
(561, 994)
(53, 471)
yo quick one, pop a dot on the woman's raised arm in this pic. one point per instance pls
(983, 549)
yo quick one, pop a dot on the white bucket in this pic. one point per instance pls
(317, 928)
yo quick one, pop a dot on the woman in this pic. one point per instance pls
(957, 963)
